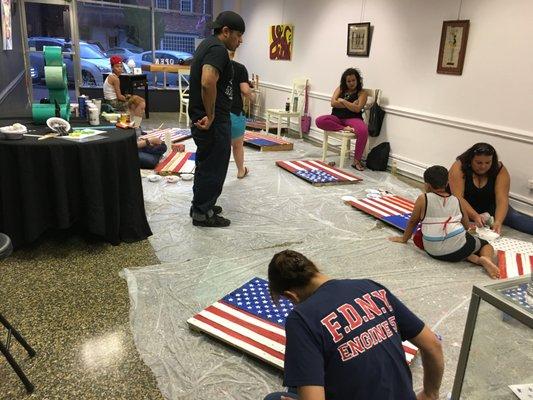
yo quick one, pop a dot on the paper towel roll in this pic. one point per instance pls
(53, 56)
(55, 77)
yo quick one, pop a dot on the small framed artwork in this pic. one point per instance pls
(453, 47)
(280, 42)
(358, 41)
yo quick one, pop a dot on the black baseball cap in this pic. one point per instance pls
(230, 19)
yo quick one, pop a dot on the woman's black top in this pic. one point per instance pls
(344, 113)
(481, 199)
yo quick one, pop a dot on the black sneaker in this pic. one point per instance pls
(216, 210)
(216, 221)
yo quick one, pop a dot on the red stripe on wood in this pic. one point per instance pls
(164, 163)
(251, 315)
(401, 202)
(337, 169)
(285, 166)
(366, 210)
(502, 265)
(393, 206)
(379, 207)
(186, 157)
(410, 350)
(257, 329)
(332, 173)
(237, 335)
(519, 264)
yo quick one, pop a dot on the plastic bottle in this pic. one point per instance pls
(288, 105)
(295, 105)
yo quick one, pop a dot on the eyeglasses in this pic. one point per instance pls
(484, 149)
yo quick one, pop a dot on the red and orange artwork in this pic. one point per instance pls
(281, 37)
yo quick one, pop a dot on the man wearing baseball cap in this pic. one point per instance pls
(210, 98)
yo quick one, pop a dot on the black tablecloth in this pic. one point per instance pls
(58, 184)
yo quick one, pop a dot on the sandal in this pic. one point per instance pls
(358, 166)
(245, 173)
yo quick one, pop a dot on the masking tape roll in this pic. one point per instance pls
(41, 112)
(53, 56)
(55, 77)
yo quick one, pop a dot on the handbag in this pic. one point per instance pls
(375, 118)
(306, 118)
(378, 158)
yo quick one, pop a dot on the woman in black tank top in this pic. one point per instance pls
(482, 182)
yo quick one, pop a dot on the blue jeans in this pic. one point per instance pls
(291, 393)
(519, 221)
(149, 156)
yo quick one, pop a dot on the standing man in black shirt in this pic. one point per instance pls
(209, 109)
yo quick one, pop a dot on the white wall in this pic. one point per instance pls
(431, 117)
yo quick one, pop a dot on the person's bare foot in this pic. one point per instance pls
(348, 129)
(242, 174)
(357, 165)
(491, 268)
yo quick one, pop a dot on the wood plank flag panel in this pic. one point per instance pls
(266, 141)
(392, 209)
(176, 134)
(254, 124)
(318, 173)
(250, 321)
(176, 163)
(515, 257)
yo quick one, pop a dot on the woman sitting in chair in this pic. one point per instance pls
(348, 102)
(114, 97)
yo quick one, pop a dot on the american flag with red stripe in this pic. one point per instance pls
(392, 209)
(249, 320)
(318, 173)
(515, 257)
(177, 163)
(266, 141)
(176, 134)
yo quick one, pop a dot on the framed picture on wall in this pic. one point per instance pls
(358, 41)
(453, 47)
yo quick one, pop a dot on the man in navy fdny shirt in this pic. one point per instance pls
(344, 337)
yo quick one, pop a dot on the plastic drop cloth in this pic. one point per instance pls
(272, 210)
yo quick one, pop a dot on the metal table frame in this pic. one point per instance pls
(489, 293)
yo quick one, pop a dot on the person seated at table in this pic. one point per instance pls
(482, 183)
(348, 102)
(344, 337)
(445, 226)
(114, 97)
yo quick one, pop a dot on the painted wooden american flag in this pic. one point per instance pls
(266, 141)
(392, 209)
(318, 173)
(515, 257)
(254, 124)
(176, 134)
(176, 163)
(249, 320)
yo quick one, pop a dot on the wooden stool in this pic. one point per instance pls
(345, 138)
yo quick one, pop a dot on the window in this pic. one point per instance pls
(178, 42)
(164, 4)
(186, 5)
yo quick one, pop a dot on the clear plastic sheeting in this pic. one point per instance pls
(272, 210)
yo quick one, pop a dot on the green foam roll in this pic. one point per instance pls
(55, 77)
(59, 95)
(41, 112)
(53, 56)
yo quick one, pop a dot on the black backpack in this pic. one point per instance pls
(378, 157)
(375, 117)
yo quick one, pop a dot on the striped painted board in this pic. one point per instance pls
(318, 173)
(254, 124)
(248, 320)
(176, 163)
(392, 209)
(515, 257)
(176, 134)
(266, 141)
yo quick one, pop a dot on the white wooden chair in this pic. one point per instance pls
(276, 115)
(347, 137)
(183, 87)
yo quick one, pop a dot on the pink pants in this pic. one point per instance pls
(333, 123)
